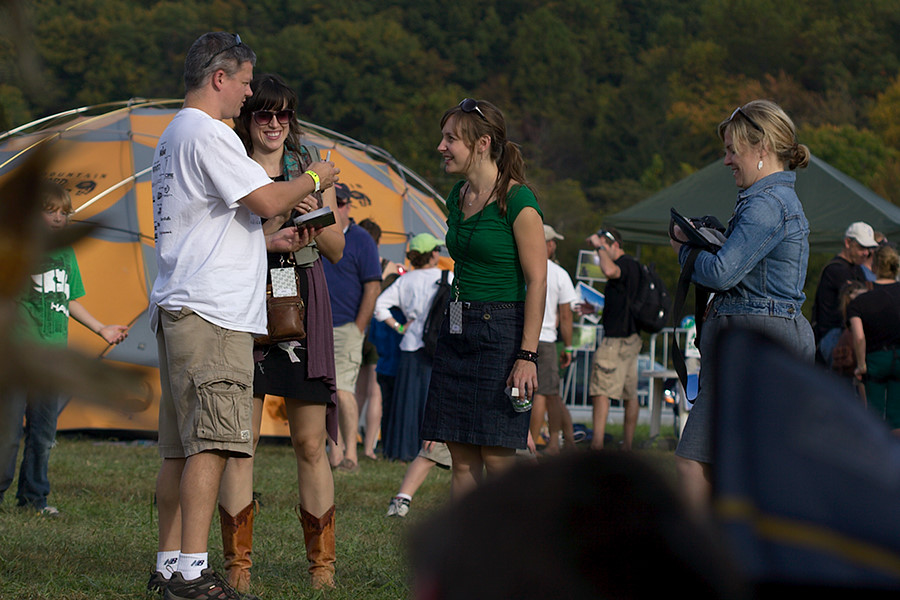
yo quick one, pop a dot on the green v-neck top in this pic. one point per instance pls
(483, 247)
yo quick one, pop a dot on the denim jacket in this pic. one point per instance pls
(761, 268)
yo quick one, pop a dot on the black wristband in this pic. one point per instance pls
(526, 355)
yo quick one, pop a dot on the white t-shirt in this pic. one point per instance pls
(559, 291)
(412, 293)
(210, 248)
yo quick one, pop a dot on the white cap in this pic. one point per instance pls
(550, 234)
(862, 233)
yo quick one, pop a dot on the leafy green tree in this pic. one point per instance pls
(885, 114)
(858, 153)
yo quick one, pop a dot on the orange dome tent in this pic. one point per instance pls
(104, 155)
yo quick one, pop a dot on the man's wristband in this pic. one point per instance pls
(570, 349)
(526, 355)
(315, 178)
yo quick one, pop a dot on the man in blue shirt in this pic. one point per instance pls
(353, 284)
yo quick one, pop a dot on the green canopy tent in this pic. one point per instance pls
(831, 200)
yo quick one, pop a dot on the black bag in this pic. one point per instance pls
(435, 317)
(704, 234)
(652, 305)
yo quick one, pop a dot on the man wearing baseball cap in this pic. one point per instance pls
(827, 321)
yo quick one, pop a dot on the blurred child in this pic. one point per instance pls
(44, 308)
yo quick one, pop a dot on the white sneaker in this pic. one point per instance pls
(399, 507)
(49, 511)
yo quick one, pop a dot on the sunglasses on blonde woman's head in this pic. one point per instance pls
(264, 117)
(237, 42)
(740, 111)
(469, 105)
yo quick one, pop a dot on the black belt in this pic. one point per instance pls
(489, 305)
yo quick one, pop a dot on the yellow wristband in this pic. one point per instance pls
(315, 178)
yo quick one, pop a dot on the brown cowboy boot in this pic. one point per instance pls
(318, 533)
(237, 543)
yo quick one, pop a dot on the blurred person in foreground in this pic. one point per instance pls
(209, 300)
(300, 371)
(757, 275)
(489, 338)
(609, 527)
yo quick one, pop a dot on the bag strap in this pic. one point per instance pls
(701, 296)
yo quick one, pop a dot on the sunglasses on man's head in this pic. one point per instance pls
(608, 235)
(237, 42)
(740, 111)
(469, 105)
(264, 117)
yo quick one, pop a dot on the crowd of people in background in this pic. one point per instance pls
(484, 387)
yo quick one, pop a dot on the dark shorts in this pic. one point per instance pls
(548, 369)
(467, 401)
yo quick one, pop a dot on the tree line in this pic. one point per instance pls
(611, 100)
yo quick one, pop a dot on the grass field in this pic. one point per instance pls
(103, 544)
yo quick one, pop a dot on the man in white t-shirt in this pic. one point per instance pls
(557, 315)
(209, 299)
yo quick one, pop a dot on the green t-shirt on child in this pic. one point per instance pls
(44, 306)
(484, 250)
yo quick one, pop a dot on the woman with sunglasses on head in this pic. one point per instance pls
(758, 274)
(484, 371)
(302, 372)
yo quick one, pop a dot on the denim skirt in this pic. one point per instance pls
(795, 335)
(467, 401)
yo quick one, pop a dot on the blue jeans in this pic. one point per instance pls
(40, 412)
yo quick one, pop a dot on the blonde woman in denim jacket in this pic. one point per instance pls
(759, 272)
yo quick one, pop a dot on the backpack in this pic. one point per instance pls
(652, 305)
(435, 317)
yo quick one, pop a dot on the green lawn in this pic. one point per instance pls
(103, 545)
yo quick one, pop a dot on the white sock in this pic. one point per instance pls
(404, 496)
(167, 562)
(190, 565)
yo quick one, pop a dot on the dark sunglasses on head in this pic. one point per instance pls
(740, 111)
(264, 117)
(237, 42)
(469, 105)
(608, 235)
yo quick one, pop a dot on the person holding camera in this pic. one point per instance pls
(757, 275)
(614, 369)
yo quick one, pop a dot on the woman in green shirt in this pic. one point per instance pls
(484, 367)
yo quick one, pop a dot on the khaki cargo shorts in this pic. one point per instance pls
(206, 373)
(438, 453)
(614, 370)
(348, 347)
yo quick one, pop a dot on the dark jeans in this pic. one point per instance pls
(40, 412)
